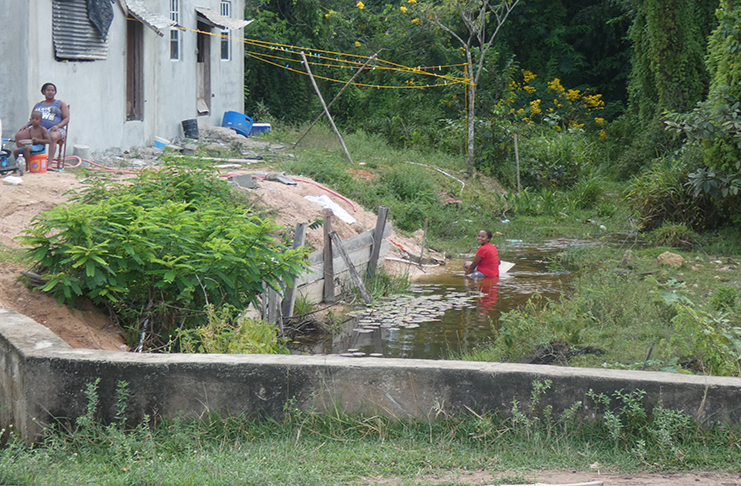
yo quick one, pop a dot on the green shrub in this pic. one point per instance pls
(555, 159)
(409, 183)
(710, 338)
(156, 250)
(229, 333)
(673, 234)
(661, 194)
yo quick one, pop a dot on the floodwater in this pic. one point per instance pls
(447, 313)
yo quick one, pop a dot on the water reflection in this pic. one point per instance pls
(447, 314)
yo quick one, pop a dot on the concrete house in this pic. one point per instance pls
(127, 83)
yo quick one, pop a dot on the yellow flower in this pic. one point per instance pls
(572, 95)
(360, 5)
(555, 85)
(594, 101)
(599, 121)
(535, 107)
(529, 89)
(411, 1)
(417, 21)
(602, 135)
(528, 76)
(403, 9)
(357, 44)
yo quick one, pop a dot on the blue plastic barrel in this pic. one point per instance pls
(239, 122)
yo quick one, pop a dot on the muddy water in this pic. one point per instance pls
(447, 314)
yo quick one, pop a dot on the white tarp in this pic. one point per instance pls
(329, 204)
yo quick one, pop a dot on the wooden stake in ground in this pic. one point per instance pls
(328, 265)
(336, 98)
(324, 105)
(337, 245)
(517, 160)
(424, 241)
(383, 213)
(289, 300)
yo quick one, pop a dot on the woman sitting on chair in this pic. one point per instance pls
(54, 117)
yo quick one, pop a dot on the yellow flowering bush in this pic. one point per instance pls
(360, 5)
(533, 103)
(404, 9)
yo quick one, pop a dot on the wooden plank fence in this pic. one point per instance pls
(322, 283)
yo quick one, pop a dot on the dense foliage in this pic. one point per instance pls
(552, 66)
(157, 249)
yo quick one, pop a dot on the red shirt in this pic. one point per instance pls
(489, 264)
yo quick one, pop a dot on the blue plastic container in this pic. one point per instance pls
(239, 122)
(258, 128)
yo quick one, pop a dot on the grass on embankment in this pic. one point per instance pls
(382, 175)
(308, 448)
(624, 304)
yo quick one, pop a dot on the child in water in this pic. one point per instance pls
(39, 137)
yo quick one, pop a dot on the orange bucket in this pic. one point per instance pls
(37, 163)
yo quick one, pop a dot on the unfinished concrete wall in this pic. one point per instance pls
(14, 45)
(96, 90)
(42, 380)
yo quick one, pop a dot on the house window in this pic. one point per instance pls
(74, 36)
(226, 11)
(174, 32)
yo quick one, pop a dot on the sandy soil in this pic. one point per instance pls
(564, 478)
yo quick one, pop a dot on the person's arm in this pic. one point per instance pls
(470, 267)
(65, 117)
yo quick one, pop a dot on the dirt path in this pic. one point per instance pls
(582, 478)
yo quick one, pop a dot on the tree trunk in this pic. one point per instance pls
(471, 114)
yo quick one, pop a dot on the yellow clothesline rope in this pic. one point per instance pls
(323, 56)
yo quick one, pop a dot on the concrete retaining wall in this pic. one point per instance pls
(42, 380)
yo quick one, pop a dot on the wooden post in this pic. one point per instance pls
(353, 273)
(517, 160)
(328, 265)
(424, 242)
(383, 213)
(336, 98)
(289, 300)
(274, 308)
(326, 110)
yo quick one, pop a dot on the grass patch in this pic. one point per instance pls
(308, 448)
(624, 303)
(10, 255)
(412, 184)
